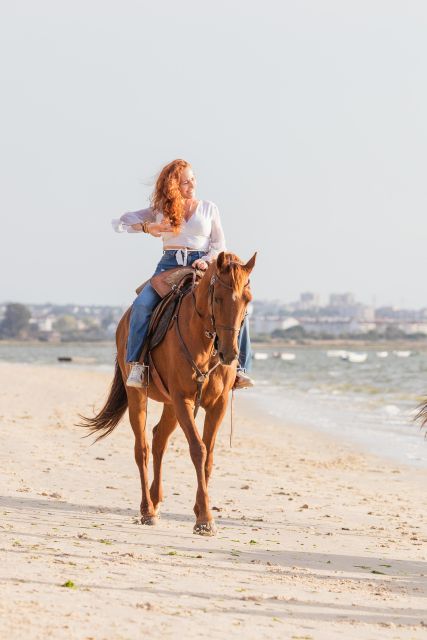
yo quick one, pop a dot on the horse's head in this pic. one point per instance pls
(230, 295)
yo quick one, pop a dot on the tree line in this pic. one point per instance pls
(16, 321)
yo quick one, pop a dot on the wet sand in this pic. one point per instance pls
(316, 540)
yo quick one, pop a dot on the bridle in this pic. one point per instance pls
(214, 279)
(201, 376)
(211, 294)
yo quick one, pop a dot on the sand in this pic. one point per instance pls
(316, 540)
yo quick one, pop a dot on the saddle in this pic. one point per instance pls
(171, 285)
(166, 281)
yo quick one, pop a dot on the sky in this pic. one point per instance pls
(304, 120)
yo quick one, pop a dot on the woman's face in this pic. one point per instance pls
(187, 183)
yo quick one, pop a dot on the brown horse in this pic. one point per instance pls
(214, 309)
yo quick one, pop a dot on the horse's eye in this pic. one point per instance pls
(217, 300)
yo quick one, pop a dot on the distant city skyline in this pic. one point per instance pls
(341, 316)
(329, 299)
(304, 121)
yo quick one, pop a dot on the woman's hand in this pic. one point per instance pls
(153, 228)
(200, 264)
(156, 229)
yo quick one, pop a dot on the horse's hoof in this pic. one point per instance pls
(205, 528)
(149, 520)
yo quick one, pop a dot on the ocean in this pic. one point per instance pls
(371, 403)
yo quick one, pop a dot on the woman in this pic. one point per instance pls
(192, 236)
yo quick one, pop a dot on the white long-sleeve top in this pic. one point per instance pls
(202, 232)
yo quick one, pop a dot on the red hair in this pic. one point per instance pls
(166, 197)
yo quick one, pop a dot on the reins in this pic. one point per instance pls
(201, 376)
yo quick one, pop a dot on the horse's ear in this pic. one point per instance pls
(220, 260)
(250, 263)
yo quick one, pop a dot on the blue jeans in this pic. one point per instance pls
(144, 304)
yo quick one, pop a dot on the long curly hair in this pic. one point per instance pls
(166, 197)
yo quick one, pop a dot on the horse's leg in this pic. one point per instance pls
(204, 521)
(161, 434)
(213, 418)
(137, 416)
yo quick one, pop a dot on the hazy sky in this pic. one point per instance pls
(305, 121)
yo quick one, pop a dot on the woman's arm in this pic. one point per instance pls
(133, 222)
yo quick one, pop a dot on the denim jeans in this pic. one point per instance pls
(144, 304)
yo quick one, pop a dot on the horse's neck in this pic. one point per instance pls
(195, 313)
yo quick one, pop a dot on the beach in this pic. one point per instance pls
(317, 539)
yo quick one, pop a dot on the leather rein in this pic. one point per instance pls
(201, 376)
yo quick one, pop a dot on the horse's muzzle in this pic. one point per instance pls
(226, 358)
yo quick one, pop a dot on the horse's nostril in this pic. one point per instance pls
(221, 356)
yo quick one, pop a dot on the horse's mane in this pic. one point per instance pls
(234, 266)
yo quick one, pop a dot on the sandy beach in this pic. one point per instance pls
(316, 540)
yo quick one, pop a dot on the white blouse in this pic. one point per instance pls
(202, 232)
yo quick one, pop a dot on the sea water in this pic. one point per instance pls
(371, 403)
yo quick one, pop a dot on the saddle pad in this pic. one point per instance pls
(163, 314)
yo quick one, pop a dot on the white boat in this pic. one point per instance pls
(260, 355)
(337, 353)
(402, 354)
(287, 356)
(382, 354)
(355, 357)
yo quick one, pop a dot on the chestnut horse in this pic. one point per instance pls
(213, 311)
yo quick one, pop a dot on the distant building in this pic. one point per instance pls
(335, 326)
(408, 327)
(411, 328)
(341, 300)
(309, 300)
(45, 325)
(268, 324)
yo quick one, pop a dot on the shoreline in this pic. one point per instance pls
(257, 404)
(315, 540)
(329, 437)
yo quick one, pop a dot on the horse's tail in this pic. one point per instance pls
(421, 416)
(112, 411)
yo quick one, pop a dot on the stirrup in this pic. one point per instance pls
(243, 381)
(138, 376)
